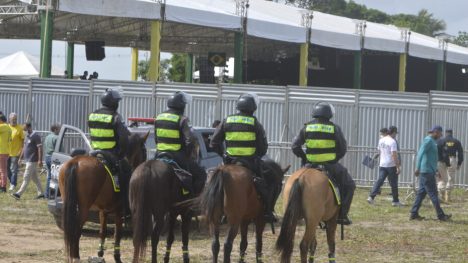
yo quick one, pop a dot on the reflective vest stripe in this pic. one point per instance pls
(241, 119)
(99, 117)
(323, 128)
(166, 133)
(241, 151)
(240, 136)
(103, 145)
(102, 132)
(320, 144)
(321, 158)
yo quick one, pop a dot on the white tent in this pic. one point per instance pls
(22, 64)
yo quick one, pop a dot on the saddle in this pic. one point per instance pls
(111, 164)
(184, 176)
(331, 181)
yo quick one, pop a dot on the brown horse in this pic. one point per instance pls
(307, 194)
(231, 192)
(85, 184)
(154, 192)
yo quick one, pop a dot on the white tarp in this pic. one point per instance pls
(422, 46)
(334, 31)
(22, 64)
(384, 38)
(457, 55)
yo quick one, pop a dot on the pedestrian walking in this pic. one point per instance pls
(32, 154)
(389, 166)
(49, 147)
(426, 169)
(450, 161)
(16, 146)
(5, 138)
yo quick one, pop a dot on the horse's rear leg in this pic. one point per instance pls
(171, 219)
(243, 244)
(309, 237)
(102, 232)
(233, 230)
(215, 243)
(186, 221)
(331, 231)
(157, 227)
(259, 227)
(313, 247)
(118, 236)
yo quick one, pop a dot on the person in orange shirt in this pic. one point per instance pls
(5, 137)
(17, 141)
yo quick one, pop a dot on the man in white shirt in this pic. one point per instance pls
(389, 166)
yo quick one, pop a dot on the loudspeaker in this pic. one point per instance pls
(95, 50)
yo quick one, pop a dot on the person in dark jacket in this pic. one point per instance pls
(109, 135)
(325, 146)
(450, 160)
(246, 144)
(174, 140)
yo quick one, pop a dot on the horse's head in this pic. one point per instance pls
(137, 149)
(277, 171)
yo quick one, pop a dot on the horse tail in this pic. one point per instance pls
(71, 217)
(140, 204)
(285, 242)
(212, 197)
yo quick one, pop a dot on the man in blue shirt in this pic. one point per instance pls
(426, 169)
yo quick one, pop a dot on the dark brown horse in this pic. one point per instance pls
(307, 194)
(85, 184)
(231, 192)
(154, 192)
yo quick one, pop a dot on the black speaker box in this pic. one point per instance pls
(95, 50)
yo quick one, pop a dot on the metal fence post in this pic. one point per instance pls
(30, 101)
(285, 135)
(218, 108)
(153, 99)
(90, 97)
(429, 110)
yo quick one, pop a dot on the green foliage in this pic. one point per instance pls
(461, 39)
(424, 22)
(143, 69)
(176, 71)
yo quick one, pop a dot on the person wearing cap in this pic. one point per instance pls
(389, 166)
(426, 169)
(450, 160)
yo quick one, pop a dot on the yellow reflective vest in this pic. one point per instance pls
(240, 136)
(167, 132)
(320, 143)
(102, 131)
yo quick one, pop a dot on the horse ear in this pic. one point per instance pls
(146, 136)
(285, 170)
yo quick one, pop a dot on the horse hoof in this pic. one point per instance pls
(100, 254)
(96, 260)
(117, 258)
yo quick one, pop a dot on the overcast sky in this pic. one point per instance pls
(116, 65)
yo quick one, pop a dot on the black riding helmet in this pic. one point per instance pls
(178, 100)
(246, 103)
(111, 98)
(323, 110)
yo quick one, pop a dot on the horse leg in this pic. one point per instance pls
(259, 227)
(75, 250)
(313, 247)
(102, 232)
(233, 230)
(243, 244)
(170, 236)
(157, 227)
(186, 221)
(215, 242)
(307, 240)
(331, 231)
(117, 236)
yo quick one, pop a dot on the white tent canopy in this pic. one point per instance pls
(22, 64)
(273, 21)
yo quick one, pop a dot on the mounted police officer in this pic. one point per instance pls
(174, 139)
(109, 136)
(246, 144)
(325, 146)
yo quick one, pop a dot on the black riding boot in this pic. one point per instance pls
(124, 180)
(262, 189)
(346, 201)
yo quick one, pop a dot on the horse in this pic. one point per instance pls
(307, 194)
(231, 192)
(85, 184)
(154, 193)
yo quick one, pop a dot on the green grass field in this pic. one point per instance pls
(380, 233)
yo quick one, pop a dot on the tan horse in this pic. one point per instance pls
(85, 184)
(307, 194)
(231, 192)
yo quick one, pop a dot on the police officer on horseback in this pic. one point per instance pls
(109, 137)
(325, 146)
(174, 139)
(246, 143)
